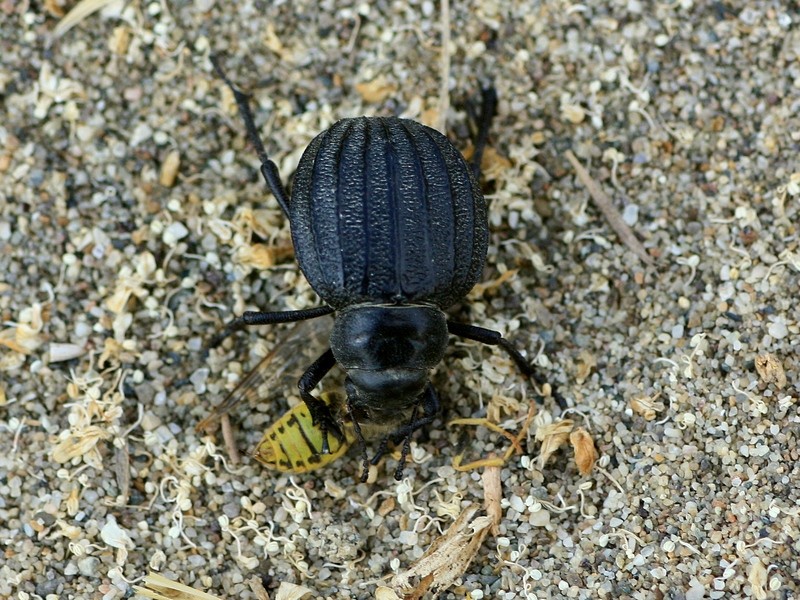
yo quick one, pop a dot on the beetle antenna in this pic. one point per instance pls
(268, 168)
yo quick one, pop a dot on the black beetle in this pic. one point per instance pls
(389, 227)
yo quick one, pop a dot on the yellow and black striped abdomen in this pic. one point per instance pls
(292, 444)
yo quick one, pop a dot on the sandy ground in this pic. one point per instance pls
(133, 223)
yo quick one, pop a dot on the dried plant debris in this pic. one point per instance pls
(492, 495)
(515, 446)
(757, 577)
(611, 214)
(169, 168)
(158, 587)
(291, 591)
(585, 452)
(770, 370)
(25, 336)
(646, 406)
(258, 588)
(552, 436)
(377, 90)
(447, 558)
(79, 12)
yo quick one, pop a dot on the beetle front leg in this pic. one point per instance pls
(320, 412)
(493, 338)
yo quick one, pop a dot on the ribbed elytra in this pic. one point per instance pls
(387, 210)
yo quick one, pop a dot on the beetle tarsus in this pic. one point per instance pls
(362, 443)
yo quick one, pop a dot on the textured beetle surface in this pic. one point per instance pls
(387, 210)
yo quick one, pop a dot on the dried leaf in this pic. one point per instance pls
(448, 557)
(258, 588)
(492, 495)
(119, 40)
(376, 90)
(79, 444)
(119, 299)
(159, 587)
(481, 288)
(493, 164)
(54, 8)
(552, 437)
(586, 362)
(113, 535)
(385, 593)
(573, 113)
(73, 501)
(585, 452)
(111, 350)
(757, 576)
(429, 117)
(770, 370)
(646, 407)
(290, 591)
(79, 12)
(22, 339)
(272, 41)
(262, 256)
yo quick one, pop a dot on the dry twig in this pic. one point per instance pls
(611, 214)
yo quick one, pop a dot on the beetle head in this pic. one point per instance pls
(388, 353)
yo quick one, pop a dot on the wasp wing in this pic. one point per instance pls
(277, 371)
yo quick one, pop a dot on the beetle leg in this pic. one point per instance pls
(398, 473)
(320, 413)
(362, 443)
(267, 318)
(493, 338)
(430, 408)
(268, 168)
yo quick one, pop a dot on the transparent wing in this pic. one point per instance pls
(279, 370)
